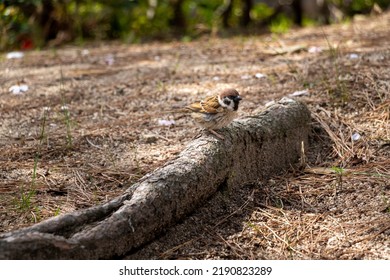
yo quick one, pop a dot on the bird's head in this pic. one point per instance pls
(229, 99)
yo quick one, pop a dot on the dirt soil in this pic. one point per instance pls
(95, 119)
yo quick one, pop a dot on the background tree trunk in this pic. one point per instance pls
(247, 6)
(226, 13)
(254, 148)
(178, 20)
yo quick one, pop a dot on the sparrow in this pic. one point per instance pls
(217, 111)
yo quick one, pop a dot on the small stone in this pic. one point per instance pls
(150, 138)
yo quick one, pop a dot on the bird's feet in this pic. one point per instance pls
(217, 134)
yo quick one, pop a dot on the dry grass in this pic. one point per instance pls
(338, 207)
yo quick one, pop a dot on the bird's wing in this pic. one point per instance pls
(208, 105)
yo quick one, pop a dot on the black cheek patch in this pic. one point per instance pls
(226, 101)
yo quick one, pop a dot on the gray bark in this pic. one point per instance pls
(254, 148)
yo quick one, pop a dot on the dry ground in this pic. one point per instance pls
(88, 127)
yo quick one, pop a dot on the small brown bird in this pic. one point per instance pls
(215, 112)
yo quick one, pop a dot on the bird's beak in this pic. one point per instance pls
(238, 98)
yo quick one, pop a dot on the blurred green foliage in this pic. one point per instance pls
(280, 24)
(37, 23)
